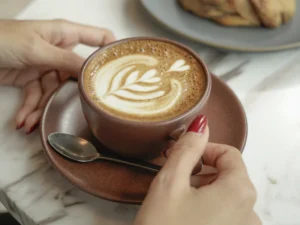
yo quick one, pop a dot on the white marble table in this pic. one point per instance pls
(268, 85)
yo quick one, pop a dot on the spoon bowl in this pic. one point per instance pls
(73, 147)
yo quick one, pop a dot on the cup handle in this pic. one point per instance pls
(175, 135)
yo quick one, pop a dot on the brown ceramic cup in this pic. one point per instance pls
(134, 139)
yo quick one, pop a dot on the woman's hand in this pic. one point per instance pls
(176, 198)
(37, 56)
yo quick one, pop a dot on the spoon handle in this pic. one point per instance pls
(142, 165)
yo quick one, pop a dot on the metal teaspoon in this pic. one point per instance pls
(81, 150)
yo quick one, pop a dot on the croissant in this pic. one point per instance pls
(267, 13)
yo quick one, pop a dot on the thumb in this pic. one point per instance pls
(187, 151)
(59, 59)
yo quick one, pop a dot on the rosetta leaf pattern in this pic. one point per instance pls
(135, 84)
(149, 74)
(132, 77)
(129, 83)
(179, 66)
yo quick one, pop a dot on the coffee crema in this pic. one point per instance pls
(145, 80)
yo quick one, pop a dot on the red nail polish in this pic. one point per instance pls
(20, 126)
(198, 125)
(32, 129)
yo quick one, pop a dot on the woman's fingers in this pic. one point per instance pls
(32, 96)
(89, 35)
(37, 93)
(49, 56)
(226, 159)
(65, 33)
(63, 76)
(49, 83)
(94, 36)
(185, 153)
(32, 121)
(50, 47)
(202, 180)
(232, 173)
(166, 153)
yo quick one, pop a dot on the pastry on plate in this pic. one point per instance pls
(267, 13)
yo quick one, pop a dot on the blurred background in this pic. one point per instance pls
(10, 8)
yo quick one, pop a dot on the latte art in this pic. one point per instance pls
(140, 81)
(129, 90)
(179, 65)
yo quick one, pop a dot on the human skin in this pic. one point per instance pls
(37, 57)
(175, 197)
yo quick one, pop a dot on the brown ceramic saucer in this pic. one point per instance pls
(115, 182)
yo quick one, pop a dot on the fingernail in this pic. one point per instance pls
(20, 126)
(198, 125)
(32, 129)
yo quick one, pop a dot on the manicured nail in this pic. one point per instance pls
(20, 126)
(32, 129)
(198, 125)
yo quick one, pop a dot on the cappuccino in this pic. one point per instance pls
(145, 80)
